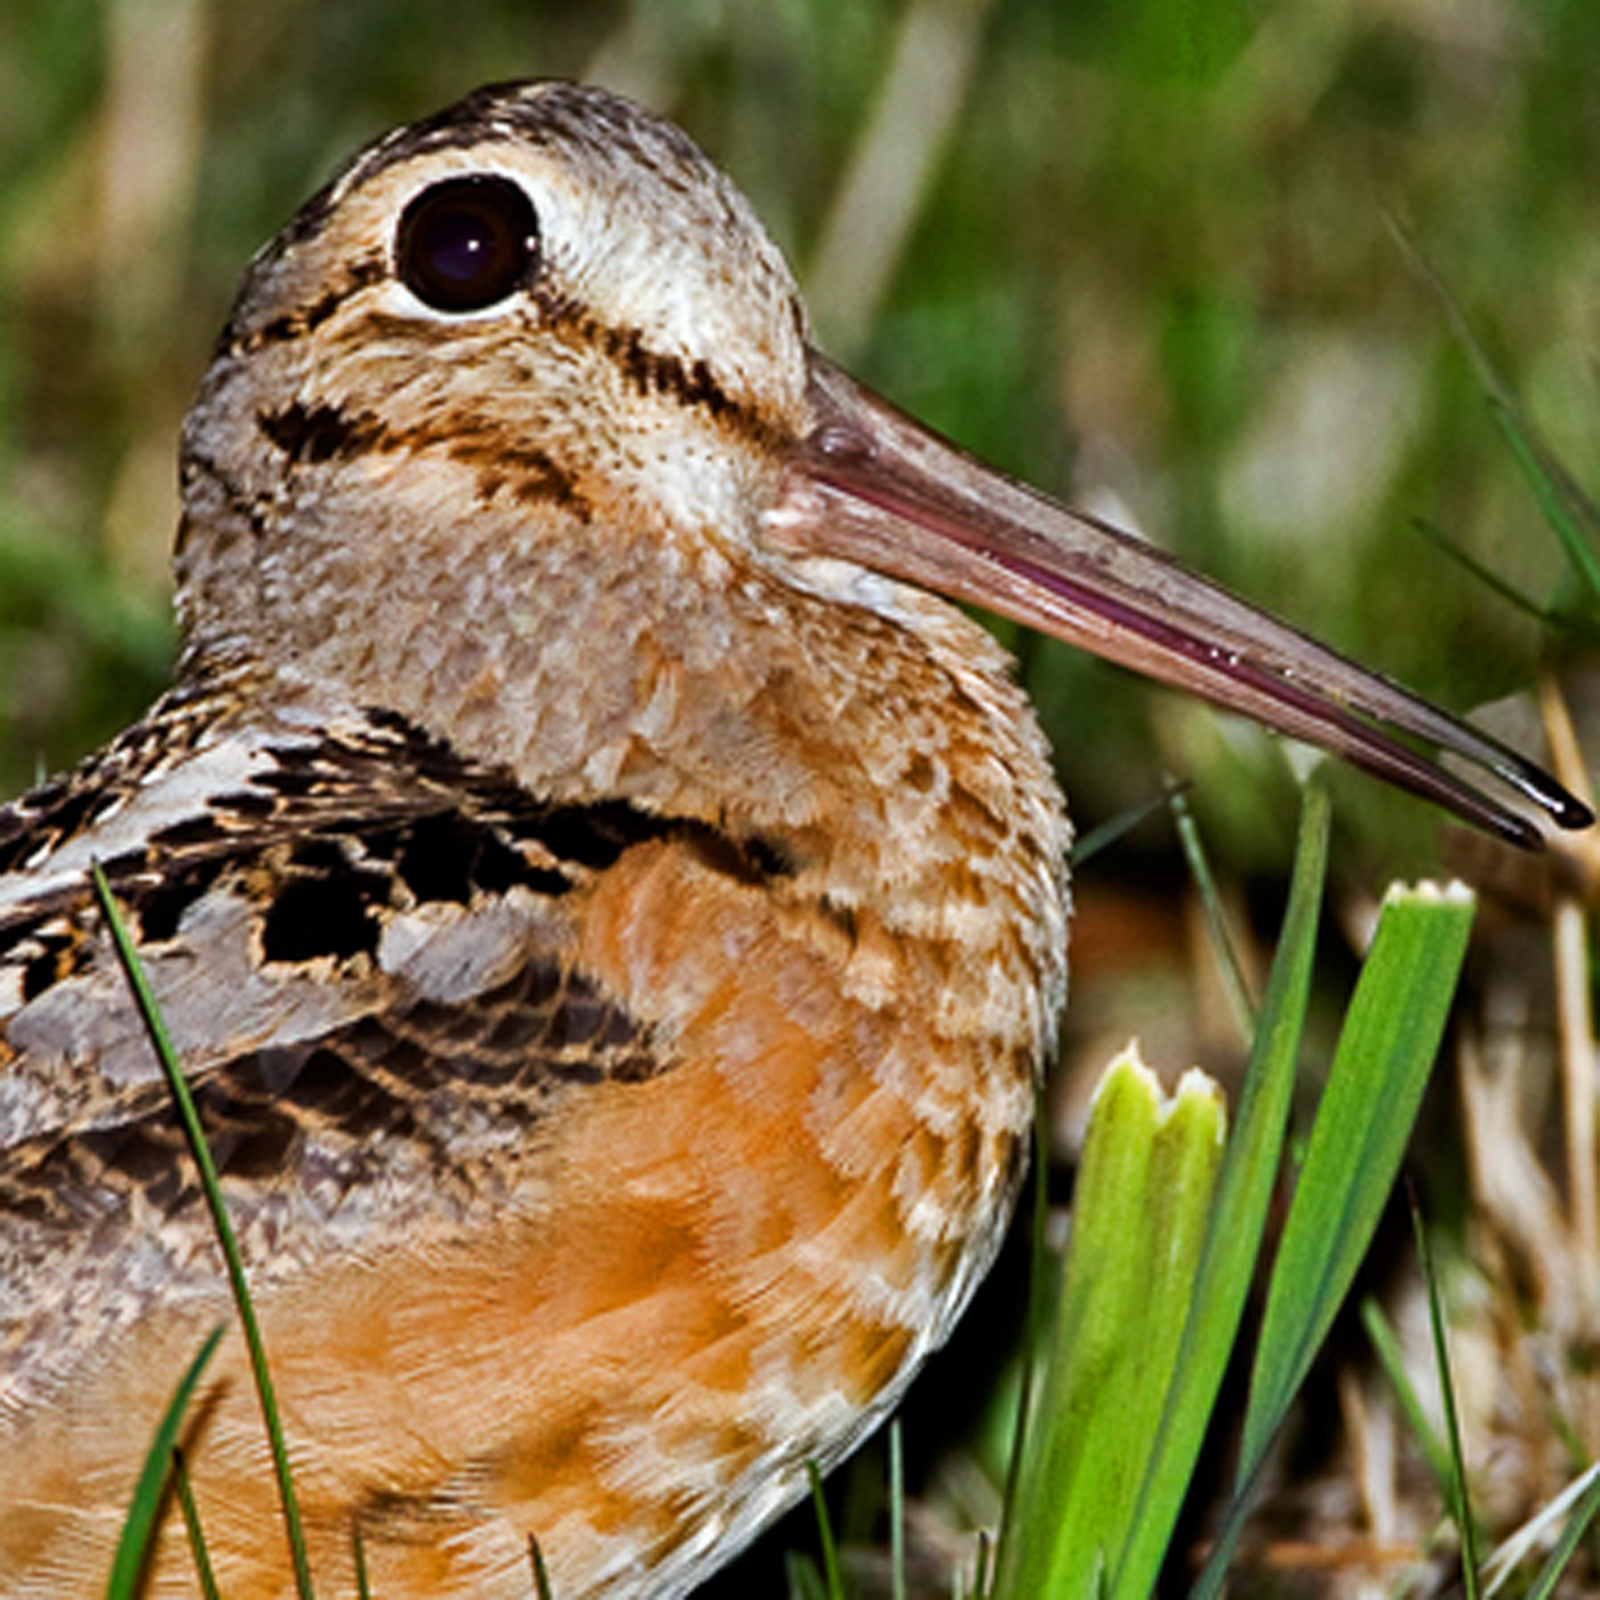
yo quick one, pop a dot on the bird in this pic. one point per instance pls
(607, 896)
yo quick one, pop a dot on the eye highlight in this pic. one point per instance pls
(467, 243)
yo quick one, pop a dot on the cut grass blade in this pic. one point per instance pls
(138, 1527)
(211, 1185)
(1143, 1197)
(1044, 1551)
(1134, 1367)
(1244, 1197)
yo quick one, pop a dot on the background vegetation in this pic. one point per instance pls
(1140, 254)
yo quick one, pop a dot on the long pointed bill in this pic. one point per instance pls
(870, 485)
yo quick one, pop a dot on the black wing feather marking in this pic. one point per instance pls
(421, 1108)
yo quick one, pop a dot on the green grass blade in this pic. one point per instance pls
(1459, 1490)
(138, 1526)
(1571, 514)
(1387, 1348)
(203, 1570)
(1237, 987)
(1111, 1445)
(1479, 573)
(358, 1562)
(804, 1581)
(1087, 846)
(1567, 510)
(1143, 1200)
(541, 1573)
(833, 1577)
(1578, 1524)
(211, 1184)
(897, 1512)
(1380, 1070)
(1040, 1312)
(1244, 1197)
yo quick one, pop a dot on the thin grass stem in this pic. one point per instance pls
(211, 1185)
(1460, 1492)
(833, 1578)
(203, 1570)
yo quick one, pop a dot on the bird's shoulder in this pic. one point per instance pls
(363, 948)
(282, 884)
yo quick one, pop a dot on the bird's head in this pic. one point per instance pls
(532, 371)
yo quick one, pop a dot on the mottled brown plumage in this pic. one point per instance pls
(612, 921)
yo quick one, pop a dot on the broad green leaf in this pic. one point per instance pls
(1142, 1204)
(1244, 1196)
(1380, 1069)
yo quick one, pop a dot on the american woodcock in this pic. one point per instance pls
(612, 915)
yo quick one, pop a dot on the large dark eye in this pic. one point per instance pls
(467, 242)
